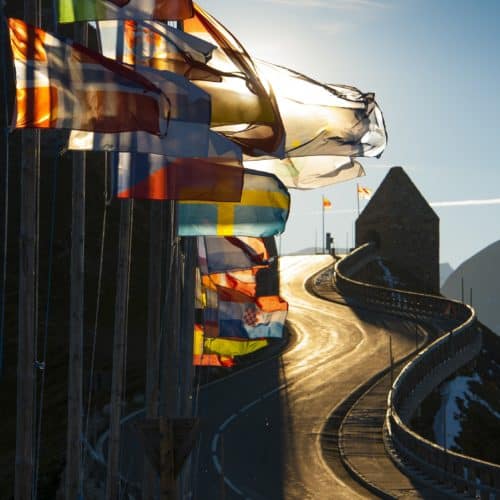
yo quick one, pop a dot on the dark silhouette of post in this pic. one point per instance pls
(119, 343)
(152, 392)
(75, 362)
(23, 488)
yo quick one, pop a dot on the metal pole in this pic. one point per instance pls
(27, 291)
(75, 362)
(323, 225)
(357, 196)
(391, 360)
(119, 341)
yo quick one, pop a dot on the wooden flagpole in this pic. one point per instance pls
(27, 292)
(156, 254)
(73, 484)
(119, 342)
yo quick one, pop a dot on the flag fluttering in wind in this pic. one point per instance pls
(153, 44)
(310, 172)
(156, 177)
(223, 254)
(232, 346)
(242, 316)
(244, 281)
(327, 204)
(322, 119)
(71, 11)
(364, 193)
(200, 358)
(188, 129)
(262, 211)
(243, 108)
(61, 84)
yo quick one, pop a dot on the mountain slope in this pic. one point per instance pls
(481, 280)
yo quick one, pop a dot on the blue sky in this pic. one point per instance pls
(433, 66)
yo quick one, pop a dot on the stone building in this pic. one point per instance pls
(405, 228)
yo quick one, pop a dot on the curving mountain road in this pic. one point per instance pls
(261, 427)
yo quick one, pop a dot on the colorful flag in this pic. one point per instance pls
(321, 119)
(232, 253)
(326, 203)
(364, 192)
(156, 177)
(243, 107)
(232, 347)
(310, 172)
(153, 44)
(243, 281)
(200, 358)
(60, 84)
(263, 211)
(242, 316)
(71, 11)
(188, 128)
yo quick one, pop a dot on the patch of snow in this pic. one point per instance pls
(447, 424)
(388, 277)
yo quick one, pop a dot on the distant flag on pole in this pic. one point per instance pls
(327, 204)
(71, 11)
(61, 84)
(262, 211)
(364, 193)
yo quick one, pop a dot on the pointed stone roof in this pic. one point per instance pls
(397, 195)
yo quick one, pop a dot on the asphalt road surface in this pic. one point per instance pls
(261, 427)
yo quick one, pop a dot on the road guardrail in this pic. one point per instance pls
(467, 476)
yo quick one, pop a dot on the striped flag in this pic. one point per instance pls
(242, 316)
(232, 253)
(71, 11)
(156, 177)
(153, 44)
(326, 203)
(60, 84)
(244, 281)
(262, 211)
(364, 192)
